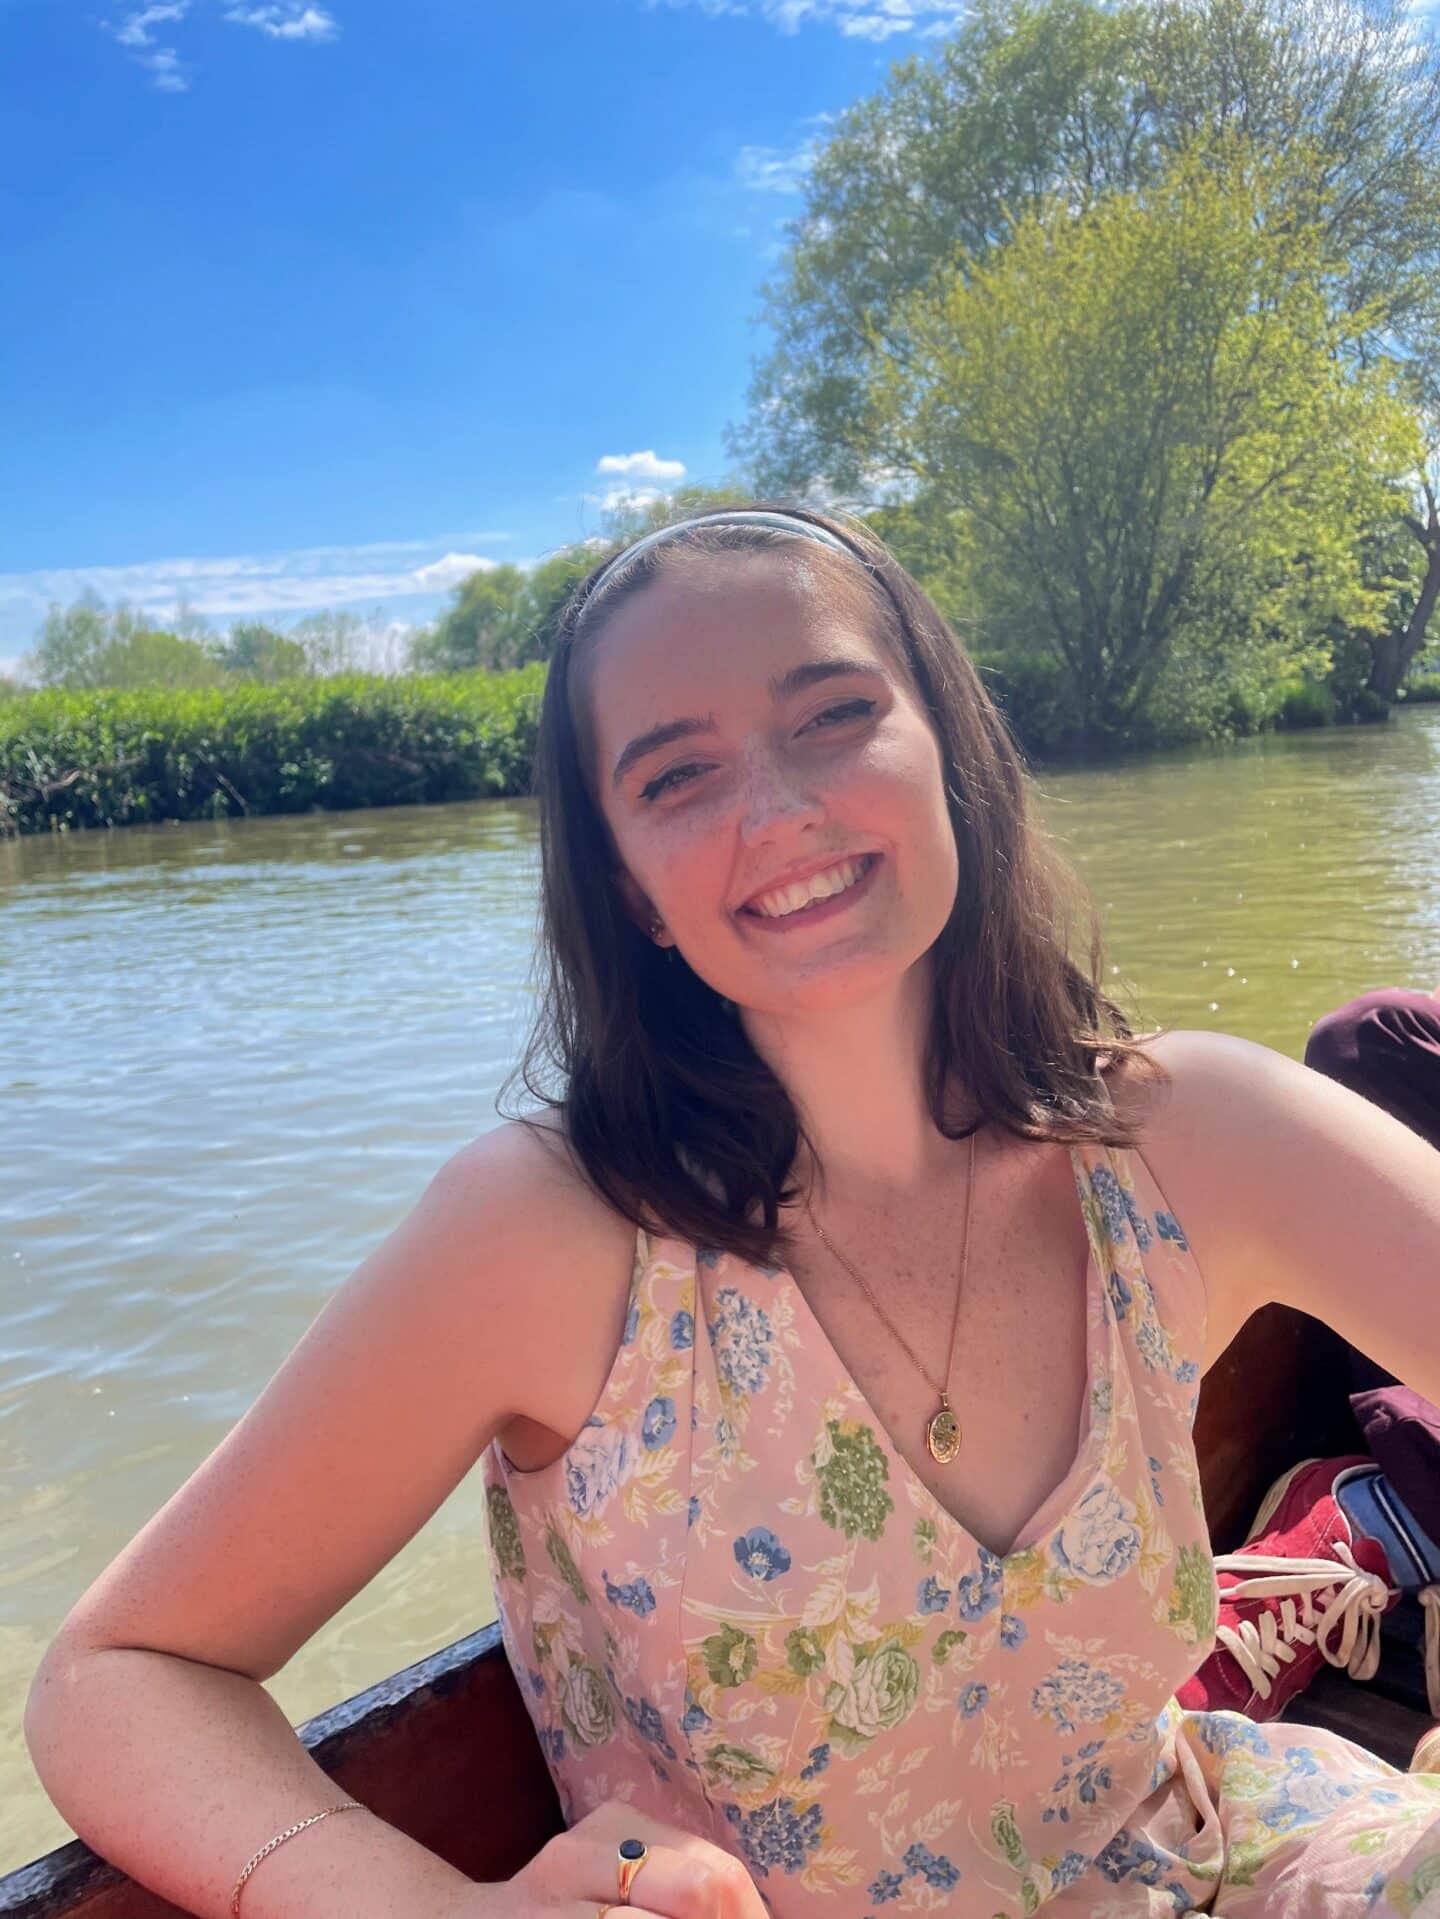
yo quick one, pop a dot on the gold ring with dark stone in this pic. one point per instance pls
(632, 1856)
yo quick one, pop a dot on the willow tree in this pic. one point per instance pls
(1134, 410)
(1034, 100)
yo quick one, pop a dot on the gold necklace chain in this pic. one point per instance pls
(942, 1433)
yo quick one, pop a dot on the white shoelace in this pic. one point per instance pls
(1353, 1601)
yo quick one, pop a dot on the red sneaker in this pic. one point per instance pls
(1306, 1589)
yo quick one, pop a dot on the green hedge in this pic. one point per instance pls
(115, 758)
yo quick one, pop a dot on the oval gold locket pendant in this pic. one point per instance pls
(942, 1435)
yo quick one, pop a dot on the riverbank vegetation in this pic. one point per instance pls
(1120, 323)
(104, 757)
(109, 757)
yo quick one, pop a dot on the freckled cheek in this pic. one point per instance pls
(689, 865)
(903, 799)
(902, 776)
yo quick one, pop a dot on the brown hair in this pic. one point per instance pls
(668, 1108)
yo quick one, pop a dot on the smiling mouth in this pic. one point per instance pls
(788, 902)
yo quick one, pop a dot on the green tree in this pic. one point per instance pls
(337, 642)
(1143, 412)
(151, 656)
(481, 626)
(253, 651)
(1034, 99)
(504, 617)
(550, 583)
(1404, 636)
(501, 617)
(70, 642)
(88, 644)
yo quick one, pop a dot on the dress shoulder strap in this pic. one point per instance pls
(1155, 1288)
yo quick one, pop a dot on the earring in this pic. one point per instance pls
(657, 927)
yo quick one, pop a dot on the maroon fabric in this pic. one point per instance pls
(1386, 1047)
(1402, 1431)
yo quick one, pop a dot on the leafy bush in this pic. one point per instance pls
(1304, 703)
(110, 758)
(1424, 688)
(1369, 706)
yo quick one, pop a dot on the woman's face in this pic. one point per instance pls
(749, 734)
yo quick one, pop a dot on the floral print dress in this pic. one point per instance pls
(734, 1605)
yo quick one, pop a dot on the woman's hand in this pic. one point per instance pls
(682, 1877)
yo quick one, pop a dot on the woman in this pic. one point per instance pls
(831, 1349)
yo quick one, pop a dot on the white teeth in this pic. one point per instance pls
(820, 886)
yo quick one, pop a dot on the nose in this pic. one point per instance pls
(776, 798)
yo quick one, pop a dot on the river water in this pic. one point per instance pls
(232, 1054)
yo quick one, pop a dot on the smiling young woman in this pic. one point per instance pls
(832, 1109)
(730, 712)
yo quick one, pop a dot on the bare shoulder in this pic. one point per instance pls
(521, 1165)
(535, 1214)
(1288, 1186)
(1180, 1114)
(1200, 1073)
(518, 1195)
(1206, 1132)
(1236, 1121)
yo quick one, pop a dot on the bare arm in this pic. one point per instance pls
(1292, 1188)
(147, 1720)
(179, 1772)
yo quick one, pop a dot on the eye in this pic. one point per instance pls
(653, 788)
(846, 710)
(674, 776)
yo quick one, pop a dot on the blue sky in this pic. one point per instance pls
(323, 305)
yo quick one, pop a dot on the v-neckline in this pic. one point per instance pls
(1059, 1502)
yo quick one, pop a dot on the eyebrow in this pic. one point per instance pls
(781, 687)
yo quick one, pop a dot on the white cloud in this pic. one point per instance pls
(442, 574)
(165, 70)
(136, 34)
(768, 170)
(641, 466)
(619, 498)
(288, 22)
(134, 31)
(251, 585)
(856, 19)
(277, 19)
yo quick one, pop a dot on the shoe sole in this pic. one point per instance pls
(1270, 1504)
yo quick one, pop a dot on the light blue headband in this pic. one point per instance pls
(746, 516)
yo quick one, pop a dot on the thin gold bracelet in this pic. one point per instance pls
(279, 1839)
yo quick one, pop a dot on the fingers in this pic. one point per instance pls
(683, 1876)
(694, 1880)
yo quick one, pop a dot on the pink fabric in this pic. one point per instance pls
(734, 1605)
